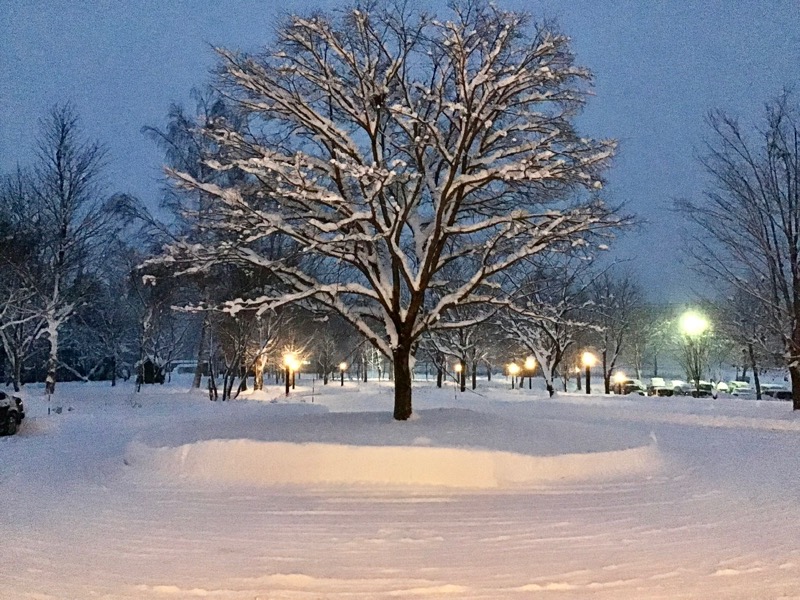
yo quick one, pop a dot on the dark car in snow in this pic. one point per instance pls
(11, 413)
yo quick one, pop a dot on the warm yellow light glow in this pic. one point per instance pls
(619, 377)
(588, 359)
(457, 367)
(343, 366)
(693, 323)
(291, 361)
(513, 369)
(530, 363)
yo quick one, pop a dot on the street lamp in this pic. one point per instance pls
(459, 370)
(342, 369)
(530, 365)
(291, 364)
(589, 361)
(693, 326)
(513, 370)
(619, 378)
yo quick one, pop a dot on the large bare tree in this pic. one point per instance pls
(750, 218)
(389, 145)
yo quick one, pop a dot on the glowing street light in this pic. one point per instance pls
(588, 359)
(530, 365)
(291, 364)
(461, 377)
(693, 326)
(513, 370)
(619, 378)
(342, 369)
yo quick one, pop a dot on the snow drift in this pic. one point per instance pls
(244, 461)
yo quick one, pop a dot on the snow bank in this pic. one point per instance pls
(244, 461)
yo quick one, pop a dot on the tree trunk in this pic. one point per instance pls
(198, 370)
(474, 374)
(439, 376)
(756, 381)
(52, 362)
(17, 373)
(113, 371)
(258, 380)
(402, 382)
(463, 373)
(794, 373)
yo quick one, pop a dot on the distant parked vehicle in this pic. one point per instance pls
(680, 387)
(702, 389)
(740, 388)
(660, 387)
(630, 386)
(11, 413)
(776, 391)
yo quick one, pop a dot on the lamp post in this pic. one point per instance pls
(588, 360)
(619, 377)
(342, 369)
(459, 369)
(693, 326)
(513, 369)
(288, 359)
(530, 365)
(291, 364)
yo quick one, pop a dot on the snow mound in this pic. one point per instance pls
(251, 462)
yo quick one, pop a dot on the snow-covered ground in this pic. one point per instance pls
(495, 494)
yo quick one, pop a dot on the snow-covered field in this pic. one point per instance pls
(495, 494)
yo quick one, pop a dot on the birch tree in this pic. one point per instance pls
(185, 149)
(749, 219)
(388, 145)
(76, 218)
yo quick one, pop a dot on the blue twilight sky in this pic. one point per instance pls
(659, 67)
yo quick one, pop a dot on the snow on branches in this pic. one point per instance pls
(386, 146)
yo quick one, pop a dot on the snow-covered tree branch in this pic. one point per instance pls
(388, 146)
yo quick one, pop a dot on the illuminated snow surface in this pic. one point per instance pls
(495, 494)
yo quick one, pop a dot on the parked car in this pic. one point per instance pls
(11, 413)
(740, 388)
(702, 389)
(777, 391)
(630, 386)
(680, 387)
(660, 387)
